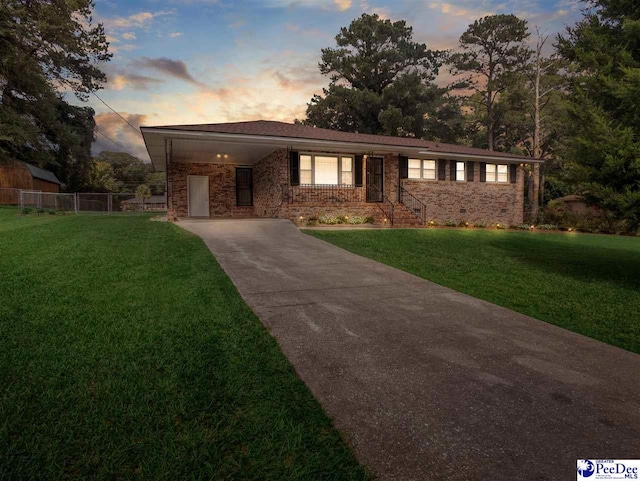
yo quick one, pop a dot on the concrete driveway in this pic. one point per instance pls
(425, 382)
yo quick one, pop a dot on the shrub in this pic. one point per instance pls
(341, 219)
(520, 226)
(479, 225)
(27, 210)
(450, 223)
(499, 226)
(331, 220)
(547, 227)
(463, 223)
(433, 223)
(370, 219)
(53, 212)
(358, 219)
(312, 221)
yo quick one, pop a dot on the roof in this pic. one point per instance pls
(269, 128)
(41, 174)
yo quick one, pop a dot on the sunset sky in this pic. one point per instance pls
(208, 61)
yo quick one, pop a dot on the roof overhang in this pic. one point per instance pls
(245, 149)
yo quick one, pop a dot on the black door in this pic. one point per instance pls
(375, 185)
(244, 186)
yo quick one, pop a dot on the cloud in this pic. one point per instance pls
(343, 4)
(137, 20)
(175, 34)
(129, 36)
(137, 82)
(167, 66)
(112, 126)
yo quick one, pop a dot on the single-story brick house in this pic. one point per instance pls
(275, 169)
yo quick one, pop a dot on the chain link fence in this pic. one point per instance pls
(82, 202)
(40, 202)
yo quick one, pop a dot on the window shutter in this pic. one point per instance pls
(442, 169)
(294, 167)
(452, 170)
(357, 171)
(470, 172)
(483, 171)
(513, 171)
(404, 166)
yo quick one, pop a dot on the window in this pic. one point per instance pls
(326, 169)
(460, 171)
(497, 173)
(422, 169)
(414, 169)
(305, 169)
(346, 171)
(429, 169)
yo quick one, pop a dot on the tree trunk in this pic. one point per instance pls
(534, 193)
(489, 120)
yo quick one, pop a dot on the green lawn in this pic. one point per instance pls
(126, 352)
(585, 283)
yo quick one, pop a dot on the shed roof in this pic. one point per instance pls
(42, 174)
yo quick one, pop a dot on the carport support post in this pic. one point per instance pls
(21, 201)
(109, 203)
(75, 202)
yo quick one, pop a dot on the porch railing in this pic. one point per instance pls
(411, 202)
(386, 206)
(323, 193)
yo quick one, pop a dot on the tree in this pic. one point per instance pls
(156, 182)
(534, 115)
(143, 192)
(102, 178)
(381, 82)
(129, 171)
(492, 49)
(47, 48)
(604, 145)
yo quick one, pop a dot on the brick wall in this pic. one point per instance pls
(445, 200)
(470, 201)
(222, 189)
(270, 176)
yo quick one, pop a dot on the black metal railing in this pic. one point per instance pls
(385, 206)
(411, 202)
(323, 193)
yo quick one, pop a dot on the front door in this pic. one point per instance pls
(198, 188)
(375, 184)
(244, 186)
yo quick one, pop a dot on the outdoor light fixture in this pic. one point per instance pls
(225, 156)
(218, 155)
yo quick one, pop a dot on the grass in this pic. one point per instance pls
(126, 352)
(585, 283)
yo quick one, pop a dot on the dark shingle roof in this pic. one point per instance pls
(282, 129)
(42, 174)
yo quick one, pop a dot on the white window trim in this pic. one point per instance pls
(496, 180)
(313, 156)
(422, 170)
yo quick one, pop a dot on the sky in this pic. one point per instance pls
(211, 61)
